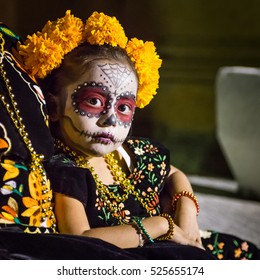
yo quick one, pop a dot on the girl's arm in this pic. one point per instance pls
(185, 215)
(72, 219)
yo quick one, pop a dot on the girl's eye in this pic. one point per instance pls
(124, 109)
(95, 102)
(90, 100)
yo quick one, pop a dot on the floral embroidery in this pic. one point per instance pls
(124, 214)
(216, 244)
(37, 203)
(154, 204)
(241, 252)
(5, 142)
(216, 248)
(150, 149)
(11, 212)
(10, 187)
(205, 234)
(147, 176)
(150, 167)
(18, 203)
(12, 170)
(136, 176)
(139, 151)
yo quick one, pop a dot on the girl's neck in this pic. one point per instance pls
(98, 163)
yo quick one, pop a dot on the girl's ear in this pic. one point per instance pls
(53, 107)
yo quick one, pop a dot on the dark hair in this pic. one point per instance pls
(78, 61)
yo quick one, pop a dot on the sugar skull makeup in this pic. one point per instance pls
(99, 108)
(95, 100)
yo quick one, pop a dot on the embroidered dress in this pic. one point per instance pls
(151, 166)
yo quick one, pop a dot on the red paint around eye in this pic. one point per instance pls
(90, 100)
(125, 108)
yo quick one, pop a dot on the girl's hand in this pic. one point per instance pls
(181, 237)
(186, 219)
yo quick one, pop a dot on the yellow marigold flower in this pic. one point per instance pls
(102, 29)
(66, 31)
(147, 64)
(40, 55)
(42, 52)
(45, 50)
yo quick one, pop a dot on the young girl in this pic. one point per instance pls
(107, 184)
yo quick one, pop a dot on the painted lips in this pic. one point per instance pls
(104, 138)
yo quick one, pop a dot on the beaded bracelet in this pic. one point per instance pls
(138, 222)
(141, 237)
(170, 232)
(187, 194)
(141, 240)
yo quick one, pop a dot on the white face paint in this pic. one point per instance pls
(99, 108)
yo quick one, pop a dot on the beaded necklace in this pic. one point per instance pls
(35, 166)
(119, 177)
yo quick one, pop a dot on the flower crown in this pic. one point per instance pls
(42, 52)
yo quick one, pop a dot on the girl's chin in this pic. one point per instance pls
(99, 150)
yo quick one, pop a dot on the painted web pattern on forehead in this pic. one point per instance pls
(117, 74)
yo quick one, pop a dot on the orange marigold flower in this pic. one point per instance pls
(102, 29)
(147, 62)
(66, 31)
(43, 51)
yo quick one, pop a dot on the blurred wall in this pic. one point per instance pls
(194, 38)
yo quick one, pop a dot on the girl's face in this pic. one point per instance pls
(99, 108)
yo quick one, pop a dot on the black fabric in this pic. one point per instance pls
(25, 199)
(19, 245)
(30, 103)
(229, 247)
(15, 244)
(62, 247)
(68, 179)
(171, 251)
